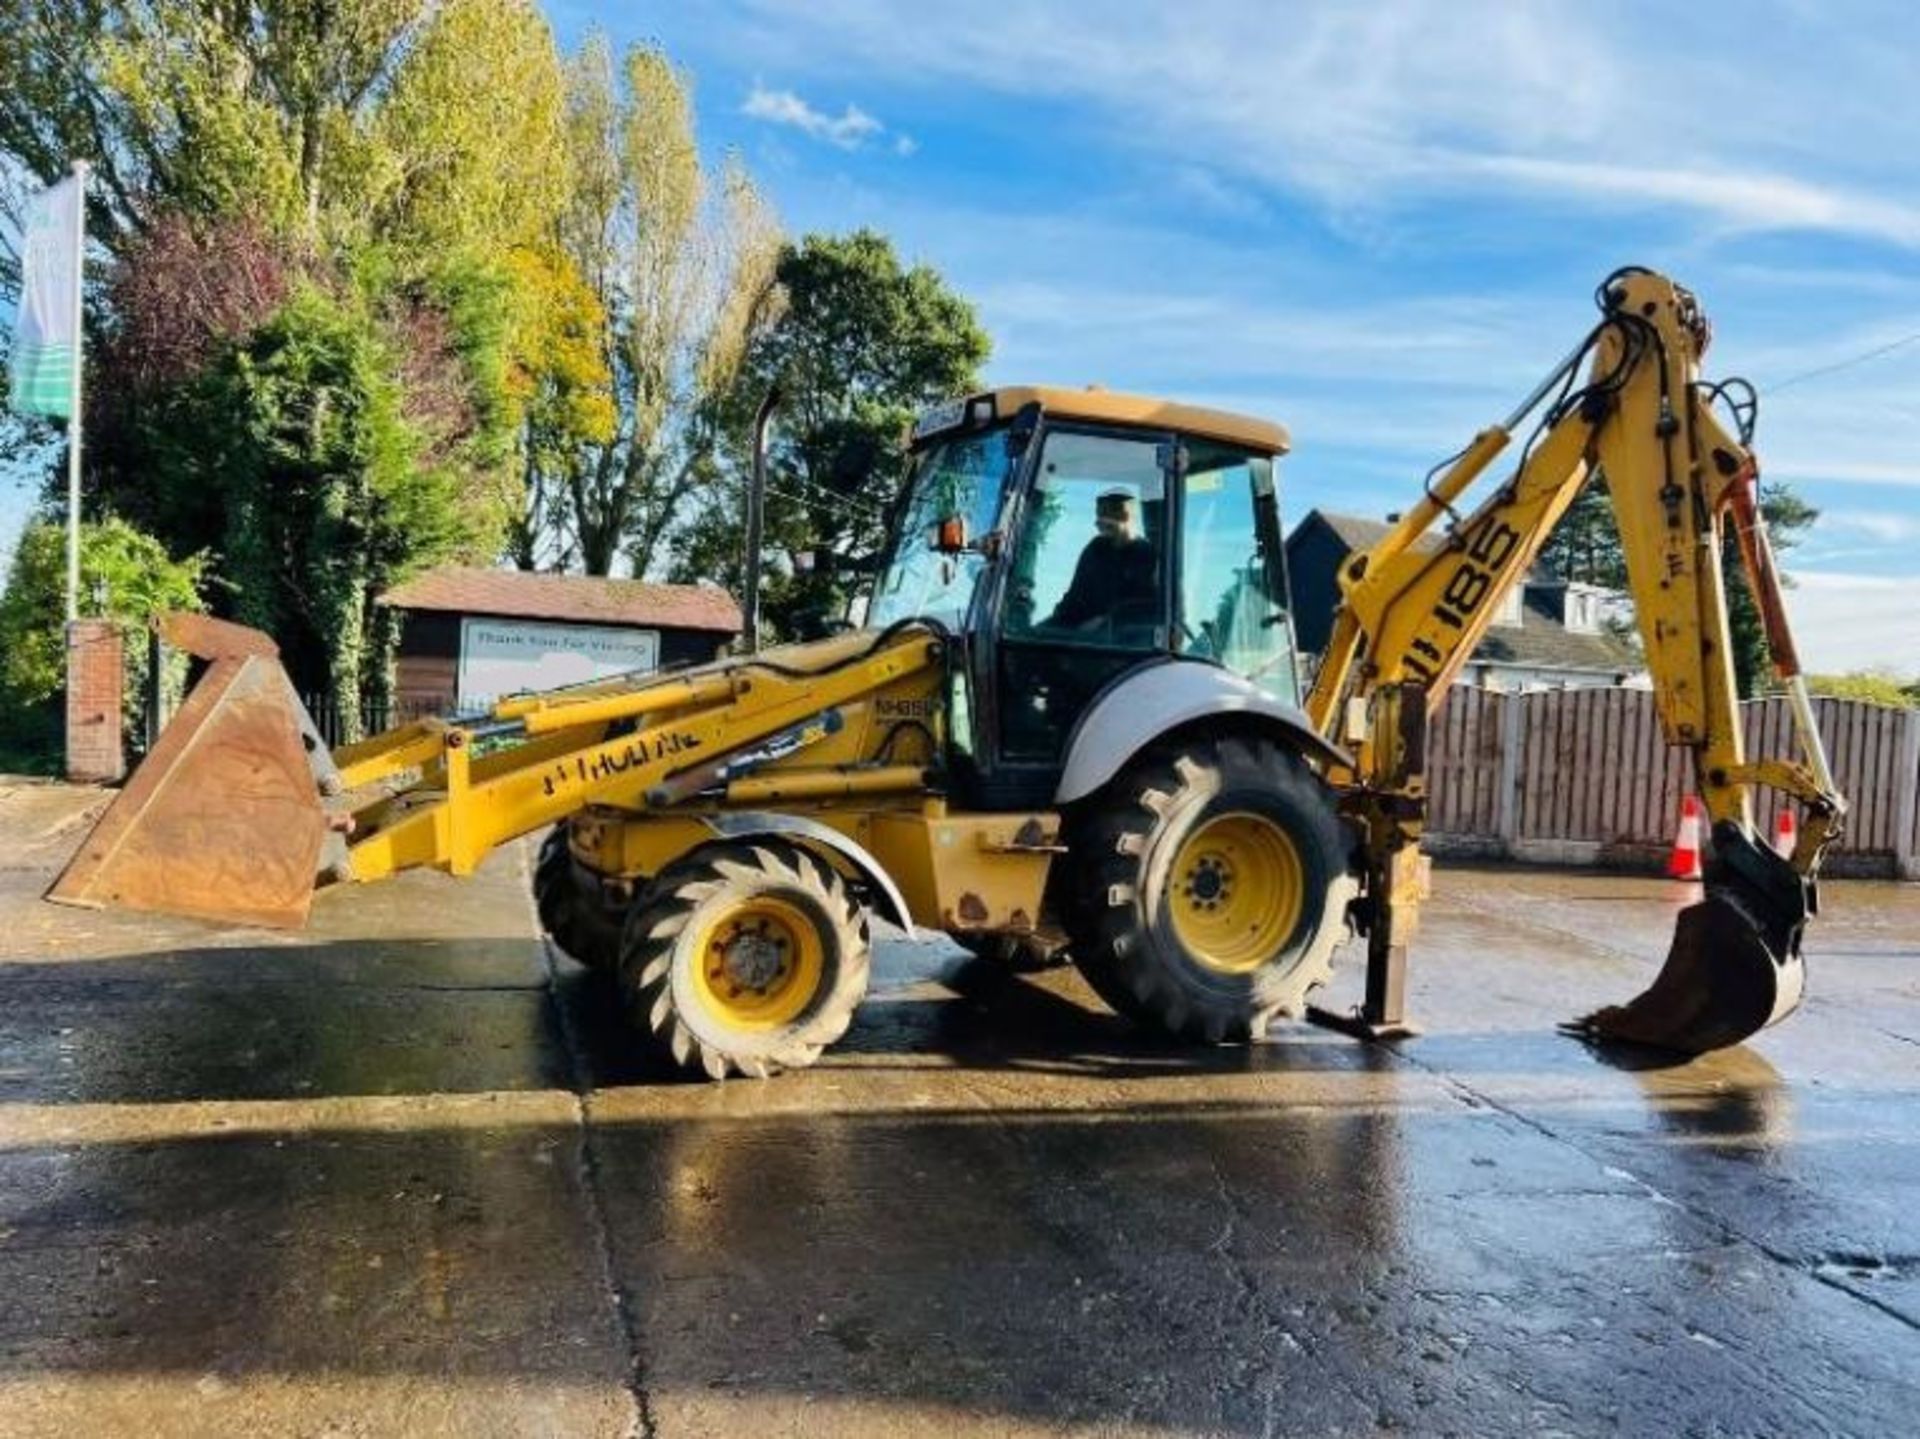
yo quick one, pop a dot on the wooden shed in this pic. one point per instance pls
(469, 636)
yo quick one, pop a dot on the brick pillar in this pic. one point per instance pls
(95, 674)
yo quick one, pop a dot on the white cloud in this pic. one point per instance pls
(1796, 467)
(1855, 621)
(1881, 525)
(1367, 108)
(1734, 201)
(850, 129)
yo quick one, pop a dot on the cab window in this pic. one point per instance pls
(1086, 594)
(1089, 563)
(1232, 609)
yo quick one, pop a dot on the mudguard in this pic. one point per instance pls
(1146, 703)
(746, 824)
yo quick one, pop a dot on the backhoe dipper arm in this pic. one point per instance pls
(1411, 617)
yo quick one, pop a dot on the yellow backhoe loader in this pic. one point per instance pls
(1074, 720)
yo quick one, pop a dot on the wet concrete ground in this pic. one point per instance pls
(401, 1174)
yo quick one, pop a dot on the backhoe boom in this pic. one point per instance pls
(1411, 616)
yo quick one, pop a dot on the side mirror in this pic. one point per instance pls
(949, 536)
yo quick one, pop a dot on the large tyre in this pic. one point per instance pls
(571, 909)
(1211, 888)
(745, 957)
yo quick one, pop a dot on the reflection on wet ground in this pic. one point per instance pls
(409, 1174)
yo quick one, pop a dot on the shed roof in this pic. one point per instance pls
(569, 599)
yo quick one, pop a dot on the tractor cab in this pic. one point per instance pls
(1070, 537)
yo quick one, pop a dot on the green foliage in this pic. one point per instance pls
(471, 139)
(138, 580)
(861, 345)
(299, 441)
(562, 385)
(1882, 687)
(1586, 546)
(391, 159)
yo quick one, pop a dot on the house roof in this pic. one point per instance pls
(1358, 534)
(569, 599)
(1362, 534)
(1543, 642)
(1540, 641)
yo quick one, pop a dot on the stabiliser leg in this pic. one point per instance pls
(1395, 887)
(1391, 810)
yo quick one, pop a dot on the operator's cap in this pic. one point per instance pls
(1113, 502)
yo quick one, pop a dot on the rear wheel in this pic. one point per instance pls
(1212, 887)
(745, 958)
(571, 908)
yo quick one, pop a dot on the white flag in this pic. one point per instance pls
(46, 340)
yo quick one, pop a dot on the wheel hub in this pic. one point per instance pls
(1237, 891)
(753, 958)
(1208, 880)
(760, 963)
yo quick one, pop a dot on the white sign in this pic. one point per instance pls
(504, 657)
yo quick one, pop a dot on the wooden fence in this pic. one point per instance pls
(1584, 775)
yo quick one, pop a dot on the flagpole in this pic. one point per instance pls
(79, 363)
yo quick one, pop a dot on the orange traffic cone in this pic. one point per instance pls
(1684, 862)
(1786, 833)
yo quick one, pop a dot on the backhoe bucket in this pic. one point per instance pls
(223, 820)
(1735, 965)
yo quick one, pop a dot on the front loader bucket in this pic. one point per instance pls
(223, 820)
(1735, 965)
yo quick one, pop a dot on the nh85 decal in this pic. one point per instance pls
(1467, 589)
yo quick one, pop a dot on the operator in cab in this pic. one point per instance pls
(1115, 570)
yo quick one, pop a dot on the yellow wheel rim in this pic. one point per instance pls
(759, 964)
(1236, 892)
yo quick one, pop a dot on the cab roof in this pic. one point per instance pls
(1110, 407)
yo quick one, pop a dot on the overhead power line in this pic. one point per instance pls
(1860, 359)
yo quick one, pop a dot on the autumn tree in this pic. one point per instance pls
(681, 264)
(335, 227)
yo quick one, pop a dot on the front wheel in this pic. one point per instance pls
(1212, 888)
(571, 908)
(745, 957)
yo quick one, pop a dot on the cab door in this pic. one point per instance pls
(1086, 593)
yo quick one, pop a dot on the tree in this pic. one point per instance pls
(325, 493)
(1879, 686)
(137, 579)
(208, 106)
(862, 344)
(329, 194)
(1586, 547)
(684, 280)
(564, 384)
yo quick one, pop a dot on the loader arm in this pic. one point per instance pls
(1411, 616)
(240, 810)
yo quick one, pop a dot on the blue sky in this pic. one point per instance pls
(1381, 223)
